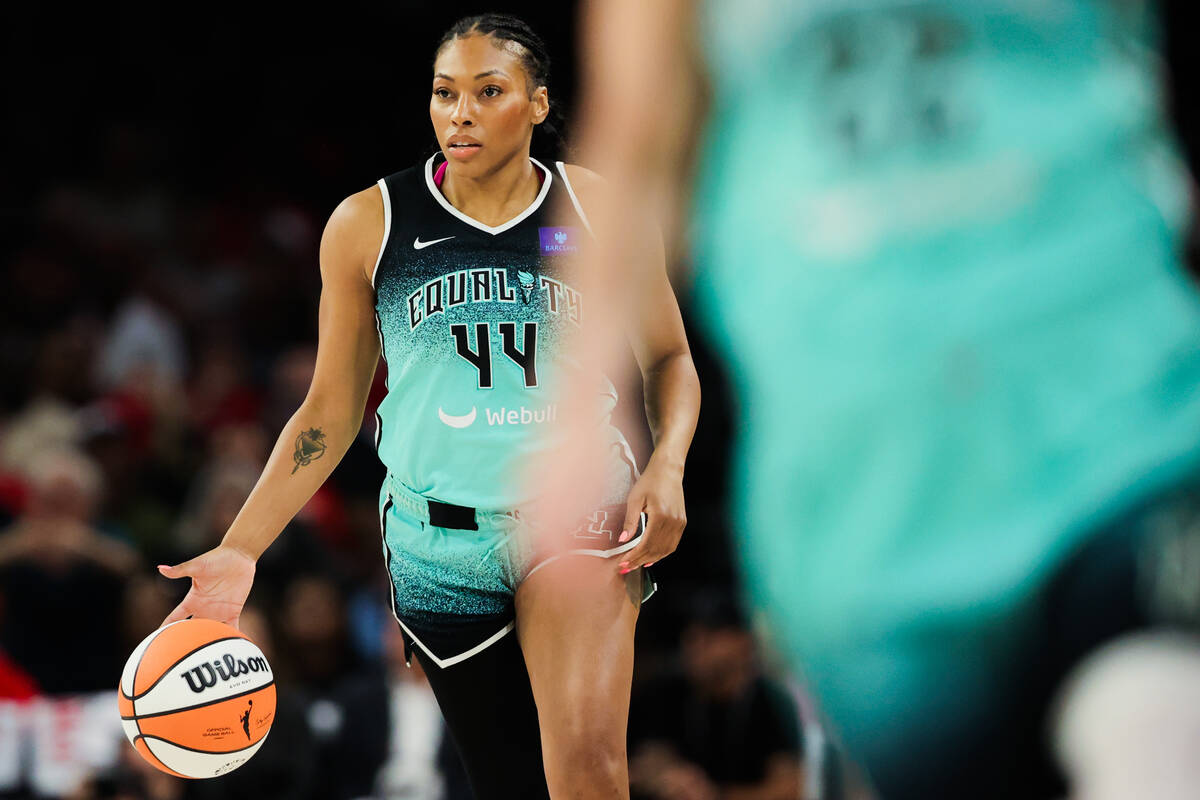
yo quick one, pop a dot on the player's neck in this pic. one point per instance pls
(496, 197)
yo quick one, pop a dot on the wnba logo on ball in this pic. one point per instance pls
(204, 676)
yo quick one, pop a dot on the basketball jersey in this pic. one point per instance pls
(938, 244)
(470, 319)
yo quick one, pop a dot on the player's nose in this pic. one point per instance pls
(464, 110)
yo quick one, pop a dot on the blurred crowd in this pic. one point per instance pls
(154, 343)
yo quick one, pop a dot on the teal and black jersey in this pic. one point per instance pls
(470, 319)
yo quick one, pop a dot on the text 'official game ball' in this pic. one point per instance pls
(197, 698)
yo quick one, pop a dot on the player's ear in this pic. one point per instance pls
(541, 105)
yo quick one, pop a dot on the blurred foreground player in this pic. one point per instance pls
(460, 269)
(938, 245)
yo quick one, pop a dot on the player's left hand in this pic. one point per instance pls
(658, 492)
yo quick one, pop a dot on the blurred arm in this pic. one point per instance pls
(672, 387)
(644, 98)
(657, 770)
(652, 322)
(784, 781)
(318, 435)
(641, 102)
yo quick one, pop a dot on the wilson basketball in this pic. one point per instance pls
(197, 698)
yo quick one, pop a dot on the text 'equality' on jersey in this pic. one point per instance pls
(491, 285)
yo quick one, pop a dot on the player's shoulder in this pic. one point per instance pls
(357, 214)
(360, 203)
(354, 232)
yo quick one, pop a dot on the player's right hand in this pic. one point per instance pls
(221, 580)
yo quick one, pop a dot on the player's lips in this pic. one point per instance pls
(462, 146)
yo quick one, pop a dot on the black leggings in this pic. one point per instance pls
(488, 705)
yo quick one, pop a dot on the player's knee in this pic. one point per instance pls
(592, 751)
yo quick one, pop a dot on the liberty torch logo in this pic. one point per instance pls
(526, 281)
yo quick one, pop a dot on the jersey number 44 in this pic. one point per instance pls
(480, 357)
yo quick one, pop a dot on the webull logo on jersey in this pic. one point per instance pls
(558, 240)
(502, 416)
(491, 285)
(227, 668)
(521, 416)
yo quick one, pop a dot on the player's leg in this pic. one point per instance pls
(575, 623)
(490, 713)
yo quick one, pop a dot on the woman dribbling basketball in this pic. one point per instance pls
(458, 271)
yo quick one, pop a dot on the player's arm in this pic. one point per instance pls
(320, 431)
(654, 328)
(317, 436)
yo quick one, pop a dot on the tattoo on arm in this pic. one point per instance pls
(310, 445)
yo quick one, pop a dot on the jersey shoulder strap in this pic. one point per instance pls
(410, 214)
(560, 170)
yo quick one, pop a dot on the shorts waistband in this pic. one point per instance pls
(446, 515)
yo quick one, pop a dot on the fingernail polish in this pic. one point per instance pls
(626, 571)
(648, 564)
(624, 565)
(624, 537)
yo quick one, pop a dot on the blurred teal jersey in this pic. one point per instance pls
(938, 245)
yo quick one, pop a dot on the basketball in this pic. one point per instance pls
(197, 698)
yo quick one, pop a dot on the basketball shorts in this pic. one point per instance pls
(452, 588)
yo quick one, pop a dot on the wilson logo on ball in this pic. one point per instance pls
(205, 676)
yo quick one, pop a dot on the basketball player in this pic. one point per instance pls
(459, 271)
(938, 245)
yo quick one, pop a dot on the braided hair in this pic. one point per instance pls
(548, 139)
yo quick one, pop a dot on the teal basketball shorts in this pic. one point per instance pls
(452, 587)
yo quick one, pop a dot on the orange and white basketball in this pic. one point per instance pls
(197, 698)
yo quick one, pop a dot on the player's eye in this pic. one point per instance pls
(491, 91)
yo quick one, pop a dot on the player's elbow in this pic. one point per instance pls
(341, 413)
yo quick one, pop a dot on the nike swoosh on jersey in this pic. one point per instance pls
(418, 244)
(457, 421)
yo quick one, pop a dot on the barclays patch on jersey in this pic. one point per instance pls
(558, 240)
